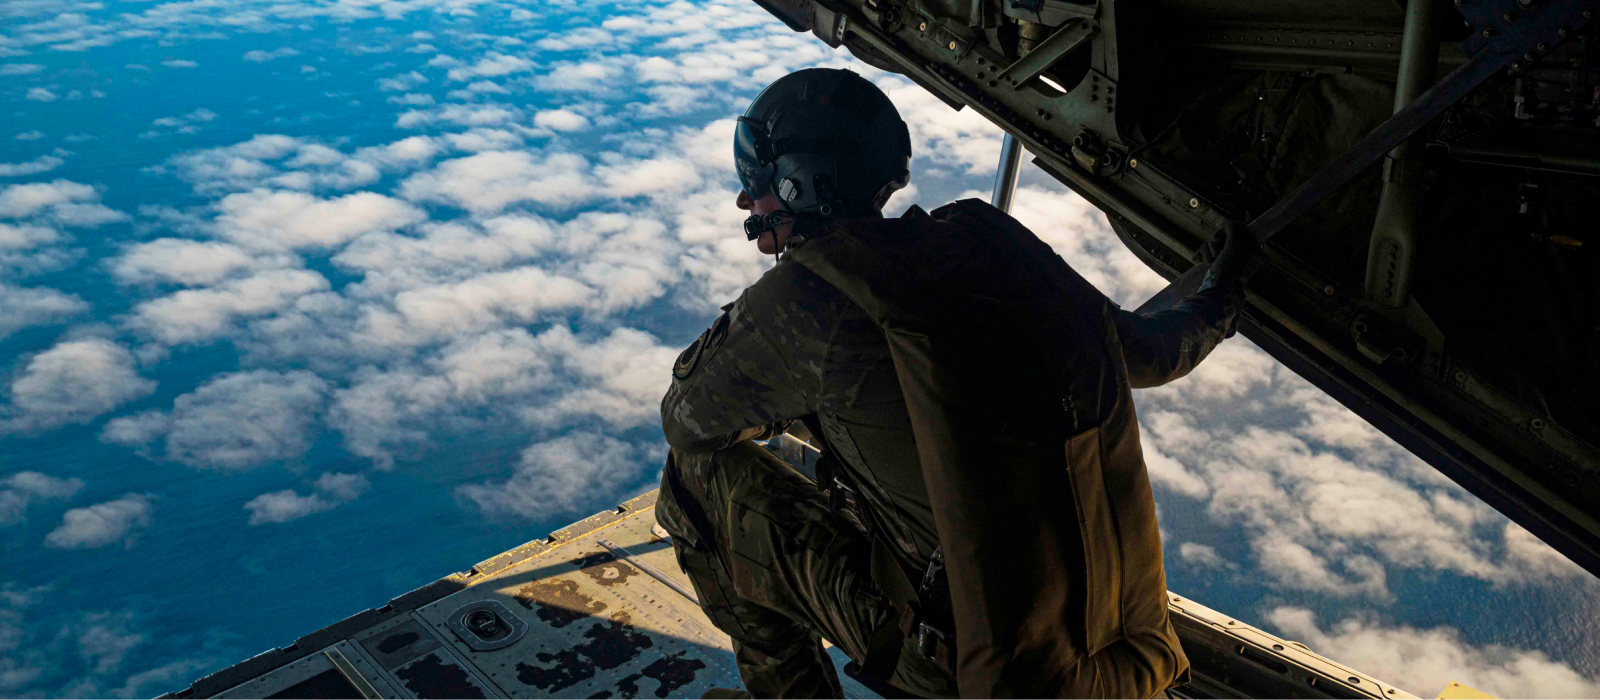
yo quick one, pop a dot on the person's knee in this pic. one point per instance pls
(696, 488)
(680, 504)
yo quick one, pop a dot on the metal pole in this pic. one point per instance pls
(1392, 252)
(1005, 176)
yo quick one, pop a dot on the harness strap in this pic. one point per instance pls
(905, 598)
(883, 650)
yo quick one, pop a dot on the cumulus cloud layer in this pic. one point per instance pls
(93, 652)
(236, 421)
(18, 490)
(103, 524)
(330, 491)
(74, 382)
(29, 306)
(1424, 661)
(563, 475)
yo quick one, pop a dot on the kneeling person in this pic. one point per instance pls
(970, 391)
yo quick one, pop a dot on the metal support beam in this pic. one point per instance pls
(1546, 26)
(1392, 252)
(1060, 45)
(1005, 176)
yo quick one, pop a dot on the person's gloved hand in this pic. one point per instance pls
(1230, 251)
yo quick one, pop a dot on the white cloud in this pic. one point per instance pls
(480, 140)
(415, 99)
(491, 66)
(1293, 565)
(1165, 471)
(235, 421)
(445, 61)
(1327, 505)
(284, 162)
(34, 306)
(69, 203)
(479, 87)
(579, 77)
(522, 295)
(85, 215)
(1078, 232)
(259, 56)
(40, 94)
(621, 378)
(402, 82)
(179, 63)
(1425, 661)
(1531, 560)
(408, 151)
(106, 640)
(138, 430)
(344, 487)
(578, 38)
(28, 199)
(282, 220)
(103, 524)
(24, 237)
(331, 491)
(666, 174)
(240, 166)
(1203, 557)
(943, 136)
(195, 315)
(189, 263)
(186, 122)
(42, 164)
(29, 136)
(75, 382)
(544, 380)
(489, 182)
(20, 68)
(563, 475)
(284, 506)
(469, 115)
(19, 490)
(51, 646)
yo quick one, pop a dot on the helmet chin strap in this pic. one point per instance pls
(756, 224)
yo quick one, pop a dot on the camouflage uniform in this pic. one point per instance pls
(774, 565)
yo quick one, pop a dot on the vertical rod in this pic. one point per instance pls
(1005, 176)
(1392, 252)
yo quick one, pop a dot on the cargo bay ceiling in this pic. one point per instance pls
(1449, 295)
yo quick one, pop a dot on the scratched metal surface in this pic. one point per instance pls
(606, 612)
(598, 625)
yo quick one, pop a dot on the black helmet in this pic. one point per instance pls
(828, 141)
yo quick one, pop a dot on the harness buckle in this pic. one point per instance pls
(935, 645)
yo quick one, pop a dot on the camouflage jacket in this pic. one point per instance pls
(792, 345)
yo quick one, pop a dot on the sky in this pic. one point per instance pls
(307, 303)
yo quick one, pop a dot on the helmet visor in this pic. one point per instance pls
(751, 157)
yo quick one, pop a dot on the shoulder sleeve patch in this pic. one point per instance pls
(689, 358)
(702, 347)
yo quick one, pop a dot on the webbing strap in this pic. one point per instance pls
(883, 650)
